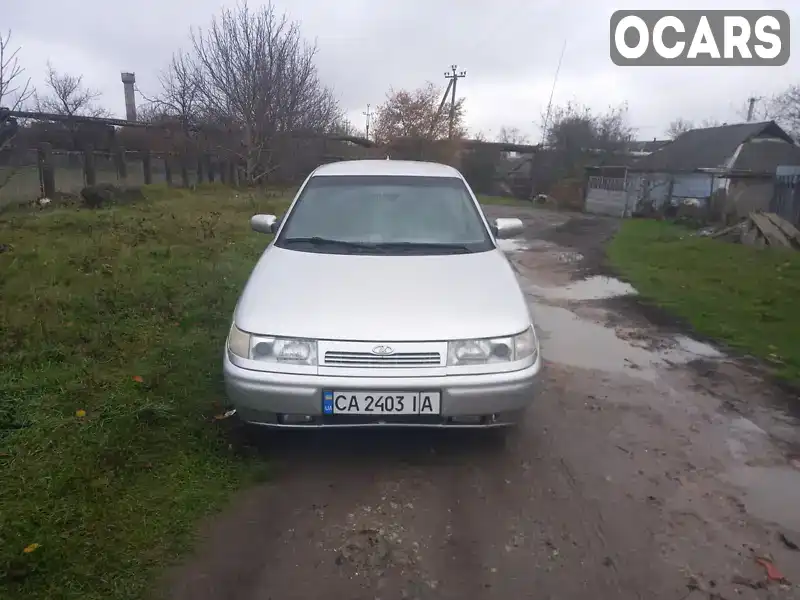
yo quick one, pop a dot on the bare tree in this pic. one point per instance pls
(576, 127)
(784, 108)
(710, 122)
(762, 109)
(255, 72)
(68, 96)
(180, 95)
(576, 136)
(15, 88)
(151, 112)
(344, 126)
(678, 127)
(416, 114)
(511, 135)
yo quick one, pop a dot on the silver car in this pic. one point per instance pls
(383, 300)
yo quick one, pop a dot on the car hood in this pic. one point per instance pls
(386, 298)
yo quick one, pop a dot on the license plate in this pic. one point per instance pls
(381, 403)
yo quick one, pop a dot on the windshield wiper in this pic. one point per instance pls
(424, 246)
(379, 246)
(320, 241)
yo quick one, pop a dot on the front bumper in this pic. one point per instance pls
(278, 399)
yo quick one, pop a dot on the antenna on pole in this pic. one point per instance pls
(552, 91)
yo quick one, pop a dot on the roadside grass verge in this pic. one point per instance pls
(113, 323)
(743, 296)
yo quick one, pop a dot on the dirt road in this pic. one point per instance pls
(651, 466)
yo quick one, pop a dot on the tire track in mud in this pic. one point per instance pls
(609, 489)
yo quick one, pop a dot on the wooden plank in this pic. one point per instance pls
(727, 230)
(789, 230)
(774, 236)
(749, 233)
(763, 228)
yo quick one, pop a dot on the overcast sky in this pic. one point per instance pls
(509, 48)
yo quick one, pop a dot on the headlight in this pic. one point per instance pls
(495, 350)
(272, 349)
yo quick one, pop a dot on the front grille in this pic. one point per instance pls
(366, 359)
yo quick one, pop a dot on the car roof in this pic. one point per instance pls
(407, 168)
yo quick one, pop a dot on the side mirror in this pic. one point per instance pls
(507, 228)
(264, 223)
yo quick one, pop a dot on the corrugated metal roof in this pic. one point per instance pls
(765, 155)
(646, 146)
(709, 148)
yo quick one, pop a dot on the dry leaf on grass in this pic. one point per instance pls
(225, 415)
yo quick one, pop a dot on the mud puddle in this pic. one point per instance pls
(688, 347)
(568, 339)
(771, 493)
(573, 340)
(513, 245)
(592, 288)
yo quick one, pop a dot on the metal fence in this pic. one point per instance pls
(615, 184)
(786, 199)
(606, 196)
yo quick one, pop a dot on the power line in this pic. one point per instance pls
(455, 75)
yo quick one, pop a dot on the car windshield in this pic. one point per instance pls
(385, 215)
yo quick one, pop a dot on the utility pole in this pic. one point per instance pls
(751, 106)
(367, 114)
(455, 76)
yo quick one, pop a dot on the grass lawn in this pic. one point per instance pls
(744, 296)
(113, 323)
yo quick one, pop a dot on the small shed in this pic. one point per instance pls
(729, 170)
